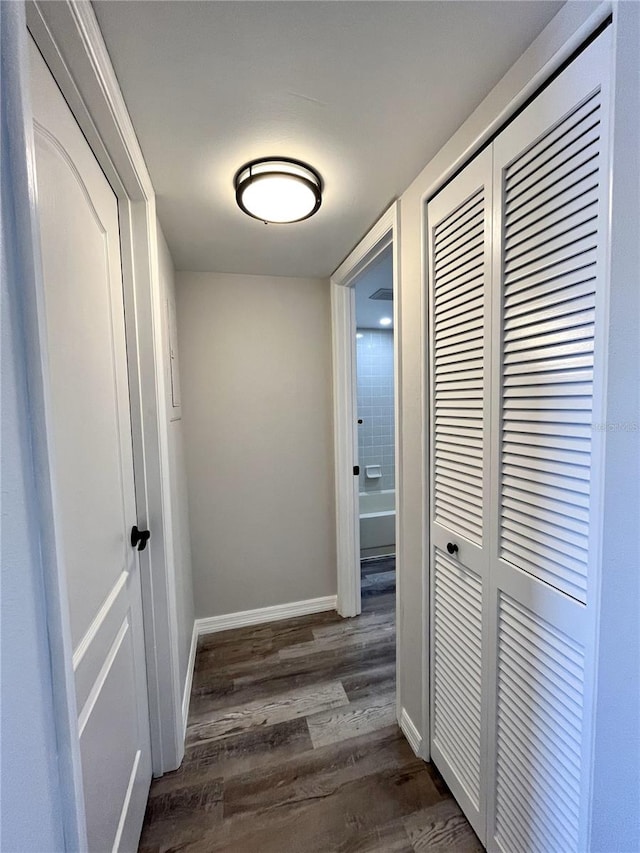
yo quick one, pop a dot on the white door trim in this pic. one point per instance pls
(68, 36)
(343, 322)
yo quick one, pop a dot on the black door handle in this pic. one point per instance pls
(139, 538)
(452, 548)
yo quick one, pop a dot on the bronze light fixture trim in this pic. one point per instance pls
(278, 190)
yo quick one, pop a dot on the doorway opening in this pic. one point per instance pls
(376, 256)
(375, 420)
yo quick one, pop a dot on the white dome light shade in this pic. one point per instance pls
(278, 190)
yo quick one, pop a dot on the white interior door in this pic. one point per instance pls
(460, 268)
(93, 466)
(551, 184)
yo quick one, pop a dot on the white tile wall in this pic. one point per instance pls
(374, 369)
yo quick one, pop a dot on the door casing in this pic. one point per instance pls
(343, 324)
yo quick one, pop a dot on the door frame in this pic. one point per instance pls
(385, 232)
(68, 36)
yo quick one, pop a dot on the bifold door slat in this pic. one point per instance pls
(566, 305)
(554, 442)
(549, 365)
(456, 504)
(545, 655)
(559, 222)
(547, 501)
(460, 291)
(472, 384)
(459, 337)
(458, 220)
(460, 360)
(468, 250)
(468, 227)
(574, 474)
(457, 490)
(465, 238)
(528, 514)
(462, 478)
(471, 438)
(553, 201)
(532, 778)
(532, 792)
(528, 380)
(465, 369)
(550, 344)
(553, 389)
(545, 516)
(557, 277)
(569, 127)
(516, 740)
(451, 446)
(567, 499)
(567, 162)
(450, 278)
(540, 451)
(471, 311)
(541, 728)
(463, 666)
(458, 297)
(457, 678)
(548, 257)
(450, 517)
(550, 403)
(564, 161)
(553, 237)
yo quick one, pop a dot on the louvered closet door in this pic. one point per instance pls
(459, 227)
(551, 187)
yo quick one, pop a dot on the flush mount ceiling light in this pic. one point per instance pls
(385, 321)
(278, 190)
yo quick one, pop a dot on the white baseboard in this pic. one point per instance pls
(186, 696)
(411, 733)
(244, 618)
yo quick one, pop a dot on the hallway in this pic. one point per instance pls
(292, 745)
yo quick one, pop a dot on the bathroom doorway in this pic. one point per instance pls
(378, 249)
(381, 597)
(375, 420)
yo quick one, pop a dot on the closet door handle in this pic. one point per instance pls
(452, 548)
(139, 538)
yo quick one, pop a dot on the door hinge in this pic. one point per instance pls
(356, 470)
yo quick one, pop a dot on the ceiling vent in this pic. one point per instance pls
(383, 293)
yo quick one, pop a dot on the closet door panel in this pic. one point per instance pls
(459, 229)
(551, 196)
(457, 672)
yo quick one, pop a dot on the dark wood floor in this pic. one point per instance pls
(292, 745)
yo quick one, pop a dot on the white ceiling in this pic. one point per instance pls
(378, 274)
(366, 92)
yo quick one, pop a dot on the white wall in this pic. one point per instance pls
(31, 807)
(177, 469)
(256, 395)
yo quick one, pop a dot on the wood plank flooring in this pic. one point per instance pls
(293, 747)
